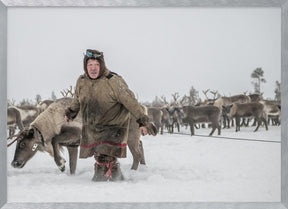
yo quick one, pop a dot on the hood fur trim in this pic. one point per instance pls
(103, 69)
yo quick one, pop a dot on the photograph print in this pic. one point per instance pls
(144, 105)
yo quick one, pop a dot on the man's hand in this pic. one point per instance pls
(149, 128)
(143, 130)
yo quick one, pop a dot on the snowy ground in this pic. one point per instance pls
(179, 168)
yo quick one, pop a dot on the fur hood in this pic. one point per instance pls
(103, 69)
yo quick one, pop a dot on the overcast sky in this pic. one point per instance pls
(158, 51)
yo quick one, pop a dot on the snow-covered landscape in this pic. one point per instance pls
(180, 168)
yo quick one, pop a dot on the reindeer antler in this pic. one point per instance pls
(66, 92)
(205, 93)
(8, 145)
(184, 100)
(175, 97)
(214, 94)
(11, 102)
(164, 100)
(11, 137)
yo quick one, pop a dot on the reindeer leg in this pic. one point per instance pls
(265, 123)
(73, 154)
(60, 162)
(12, 131)
(224, 121)
(247, 123)
(219, 129)
(135, 155)
(192, 129)
(258, 125)
(69, 136)
(254, 123)
(213, 129)
(142, 159)
(133, 145)
(243, 122)
(237, 123)
(228, 122)
(278, 121)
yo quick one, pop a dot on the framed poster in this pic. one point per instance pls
(164, 15)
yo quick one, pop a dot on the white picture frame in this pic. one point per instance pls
(283, 4)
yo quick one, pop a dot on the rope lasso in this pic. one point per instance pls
(222, 137)
(225, 137)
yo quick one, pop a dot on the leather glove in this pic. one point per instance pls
(151, 129)
(143, 120)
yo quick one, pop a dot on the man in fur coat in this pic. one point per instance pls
(105, 102)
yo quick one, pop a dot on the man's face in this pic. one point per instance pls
(93, 68)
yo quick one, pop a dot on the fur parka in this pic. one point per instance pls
(105, 104)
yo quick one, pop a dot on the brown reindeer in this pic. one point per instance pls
(272, 110)
(251, 109)
(155, 115)
(20, 116)
(49, 132)
(229, 100)
(175, 117)
(202, 114)
(165, 120)
(224, 101)
(14, 120)
(175, 113)
(255, 97)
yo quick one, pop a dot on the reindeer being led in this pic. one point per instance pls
(49, 132)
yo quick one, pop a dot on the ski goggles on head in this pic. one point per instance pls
(91, 54)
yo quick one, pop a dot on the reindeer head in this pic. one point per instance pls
(27, 145)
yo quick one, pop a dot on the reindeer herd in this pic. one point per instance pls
(220, 112)
(43, 128)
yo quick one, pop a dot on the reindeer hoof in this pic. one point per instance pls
(62, 168)
(62, 165)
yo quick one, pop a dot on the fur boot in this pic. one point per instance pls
(106, 169)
